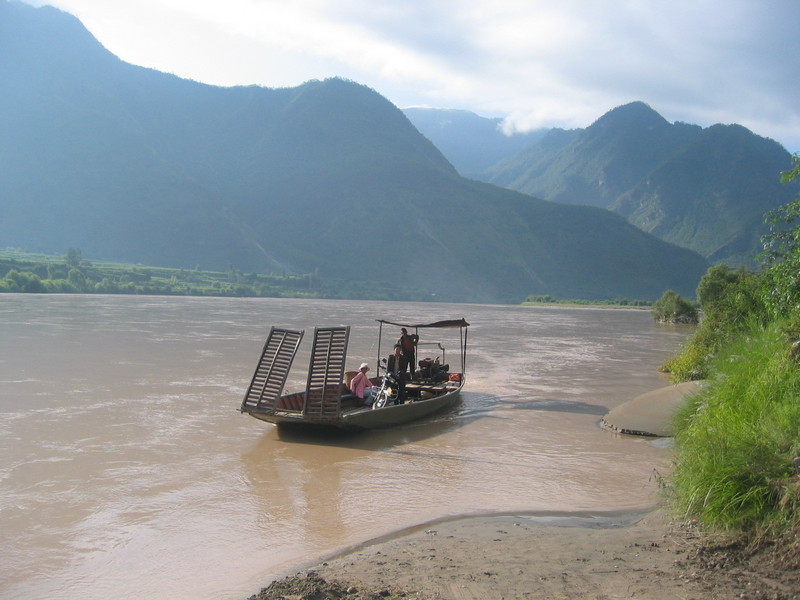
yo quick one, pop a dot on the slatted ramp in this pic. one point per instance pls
(326, 372)
(273, 368)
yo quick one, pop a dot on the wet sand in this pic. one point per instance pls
(503, 557)
(650, 414)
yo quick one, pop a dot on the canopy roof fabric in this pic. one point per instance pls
(451, 323)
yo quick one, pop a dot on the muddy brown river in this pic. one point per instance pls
(128, 472)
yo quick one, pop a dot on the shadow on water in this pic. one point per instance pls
(470, 408)
(326, 474)
(326, 452)
(403, 440)
(322, 449)
(400, 440)
(489, 403)
(566, 406)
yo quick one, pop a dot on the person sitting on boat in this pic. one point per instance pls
(362, 387)
(408, 345)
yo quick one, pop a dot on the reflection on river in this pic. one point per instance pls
(128, 470)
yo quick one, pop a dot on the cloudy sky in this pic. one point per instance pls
(536, 62)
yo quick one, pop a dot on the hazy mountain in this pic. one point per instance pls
(470, 142)
(134, 165)
(703, 189)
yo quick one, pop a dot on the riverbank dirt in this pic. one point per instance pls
(520, 557)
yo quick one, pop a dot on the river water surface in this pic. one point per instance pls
(128, 472)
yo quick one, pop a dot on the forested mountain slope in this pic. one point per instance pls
(134, 165)
(703, 189)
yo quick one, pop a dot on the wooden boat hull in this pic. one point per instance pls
(363, 418)
(398, 414)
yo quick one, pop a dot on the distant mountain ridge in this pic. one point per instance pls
(471, 143)
(703, 189)
(134, 165)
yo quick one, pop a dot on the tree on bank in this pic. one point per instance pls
(673, 308)
(782, 252)
(73, 258)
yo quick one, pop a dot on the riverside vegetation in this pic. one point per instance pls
(22, 272)
(71, 274)
(737, 466)
(547, 299)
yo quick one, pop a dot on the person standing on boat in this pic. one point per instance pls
(408, 346)
(361, 386)
(395, 360)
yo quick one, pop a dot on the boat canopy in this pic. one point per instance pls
(451, 324)
(460, 324)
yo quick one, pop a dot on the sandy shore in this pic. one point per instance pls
(504, 557)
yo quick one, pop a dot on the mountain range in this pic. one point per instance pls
(130, 164)
(705, 189)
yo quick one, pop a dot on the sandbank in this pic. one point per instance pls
(558, 557)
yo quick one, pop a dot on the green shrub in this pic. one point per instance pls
(732, 297)
(782, 252)
(732, 302)
(673, 308)
(26, 282)
(691, 363)
(540, 298)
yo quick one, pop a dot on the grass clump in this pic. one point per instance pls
(738, 438)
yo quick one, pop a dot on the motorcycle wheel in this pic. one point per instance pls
(381, 398)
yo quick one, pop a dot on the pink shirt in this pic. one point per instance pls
(359, 383)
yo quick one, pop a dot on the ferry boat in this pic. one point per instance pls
(327, 401)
